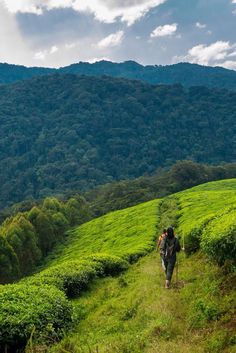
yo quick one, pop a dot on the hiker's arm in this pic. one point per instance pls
(178, 247)
(162, 247)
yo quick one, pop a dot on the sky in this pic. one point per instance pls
(55, 33)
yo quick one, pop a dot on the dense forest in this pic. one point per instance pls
(184, 73)
(64, 132)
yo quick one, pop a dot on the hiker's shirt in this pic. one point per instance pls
(161, 237)
(168, 248)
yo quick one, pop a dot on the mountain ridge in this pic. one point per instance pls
(186, 74)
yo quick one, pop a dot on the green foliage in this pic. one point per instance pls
(184, 73)
(110, 264)
(207, 219)
(77, 132)
(183, 174)
(27, 308)
(105, 245)
(218, 238)
(8, 262)
(70, 277)
(128, 234)
(20, 234)
(31, 235)
(134, 312)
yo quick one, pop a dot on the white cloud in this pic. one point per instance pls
(112, 40)
(203, 54)
(43, 54)
(40, 55)
(228, 64)
(25, 6)
(13, 48)
(163, 31)
(108, 11)
(53, 49)
(206, 55)
(95, 60)
(232, 54)
(200, 25)
(215, 54)
(234, 1)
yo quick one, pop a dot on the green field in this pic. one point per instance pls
(96, 309)
(209, 210)
(127, 233)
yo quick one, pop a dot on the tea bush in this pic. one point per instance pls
(110, 265)
(26, 308)
(199, 207)
(74, 276)
(70, 277)
(219, 237)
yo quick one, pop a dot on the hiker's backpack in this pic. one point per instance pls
(169, 247)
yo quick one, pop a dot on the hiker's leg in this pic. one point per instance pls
(170, 268)
(165, 263)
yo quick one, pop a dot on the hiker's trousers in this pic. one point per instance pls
(169, 265)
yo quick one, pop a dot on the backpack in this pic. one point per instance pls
(169, 247)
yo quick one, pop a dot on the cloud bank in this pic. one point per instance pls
(107, 11)
(215, 54)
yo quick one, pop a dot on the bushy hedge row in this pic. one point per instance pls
(74, 276)
(207, 220)
(130, 237)
(110, 265)
(38, 302)
(27, 309)
(218, 238)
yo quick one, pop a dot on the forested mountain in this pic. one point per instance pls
(69, 132)
(11, 73)
(186, 74)
(183, 73)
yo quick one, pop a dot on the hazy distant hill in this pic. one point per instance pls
(67, 132)
(184, 73)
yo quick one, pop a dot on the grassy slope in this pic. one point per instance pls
(122, 233)
(202, 202)
(133, 313)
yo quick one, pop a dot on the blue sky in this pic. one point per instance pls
(56, 33)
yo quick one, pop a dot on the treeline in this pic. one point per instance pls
(184, 73)
(62, 133)
(165, 181)
(29, 236)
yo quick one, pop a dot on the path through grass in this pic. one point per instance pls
(135, 314)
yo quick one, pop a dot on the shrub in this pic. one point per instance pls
(219, 238)
(71, 277)
(110, 265)
(28, 308)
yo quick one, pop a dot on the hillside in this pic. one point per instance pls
(64, 132)
(132, 312)
(183, 73)
(12, 73)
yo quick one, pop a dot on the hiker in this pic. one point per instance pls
(168, 248)
(162, 236)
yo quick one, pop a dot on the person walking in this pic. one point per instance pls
(161, 237)
(168, 248)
